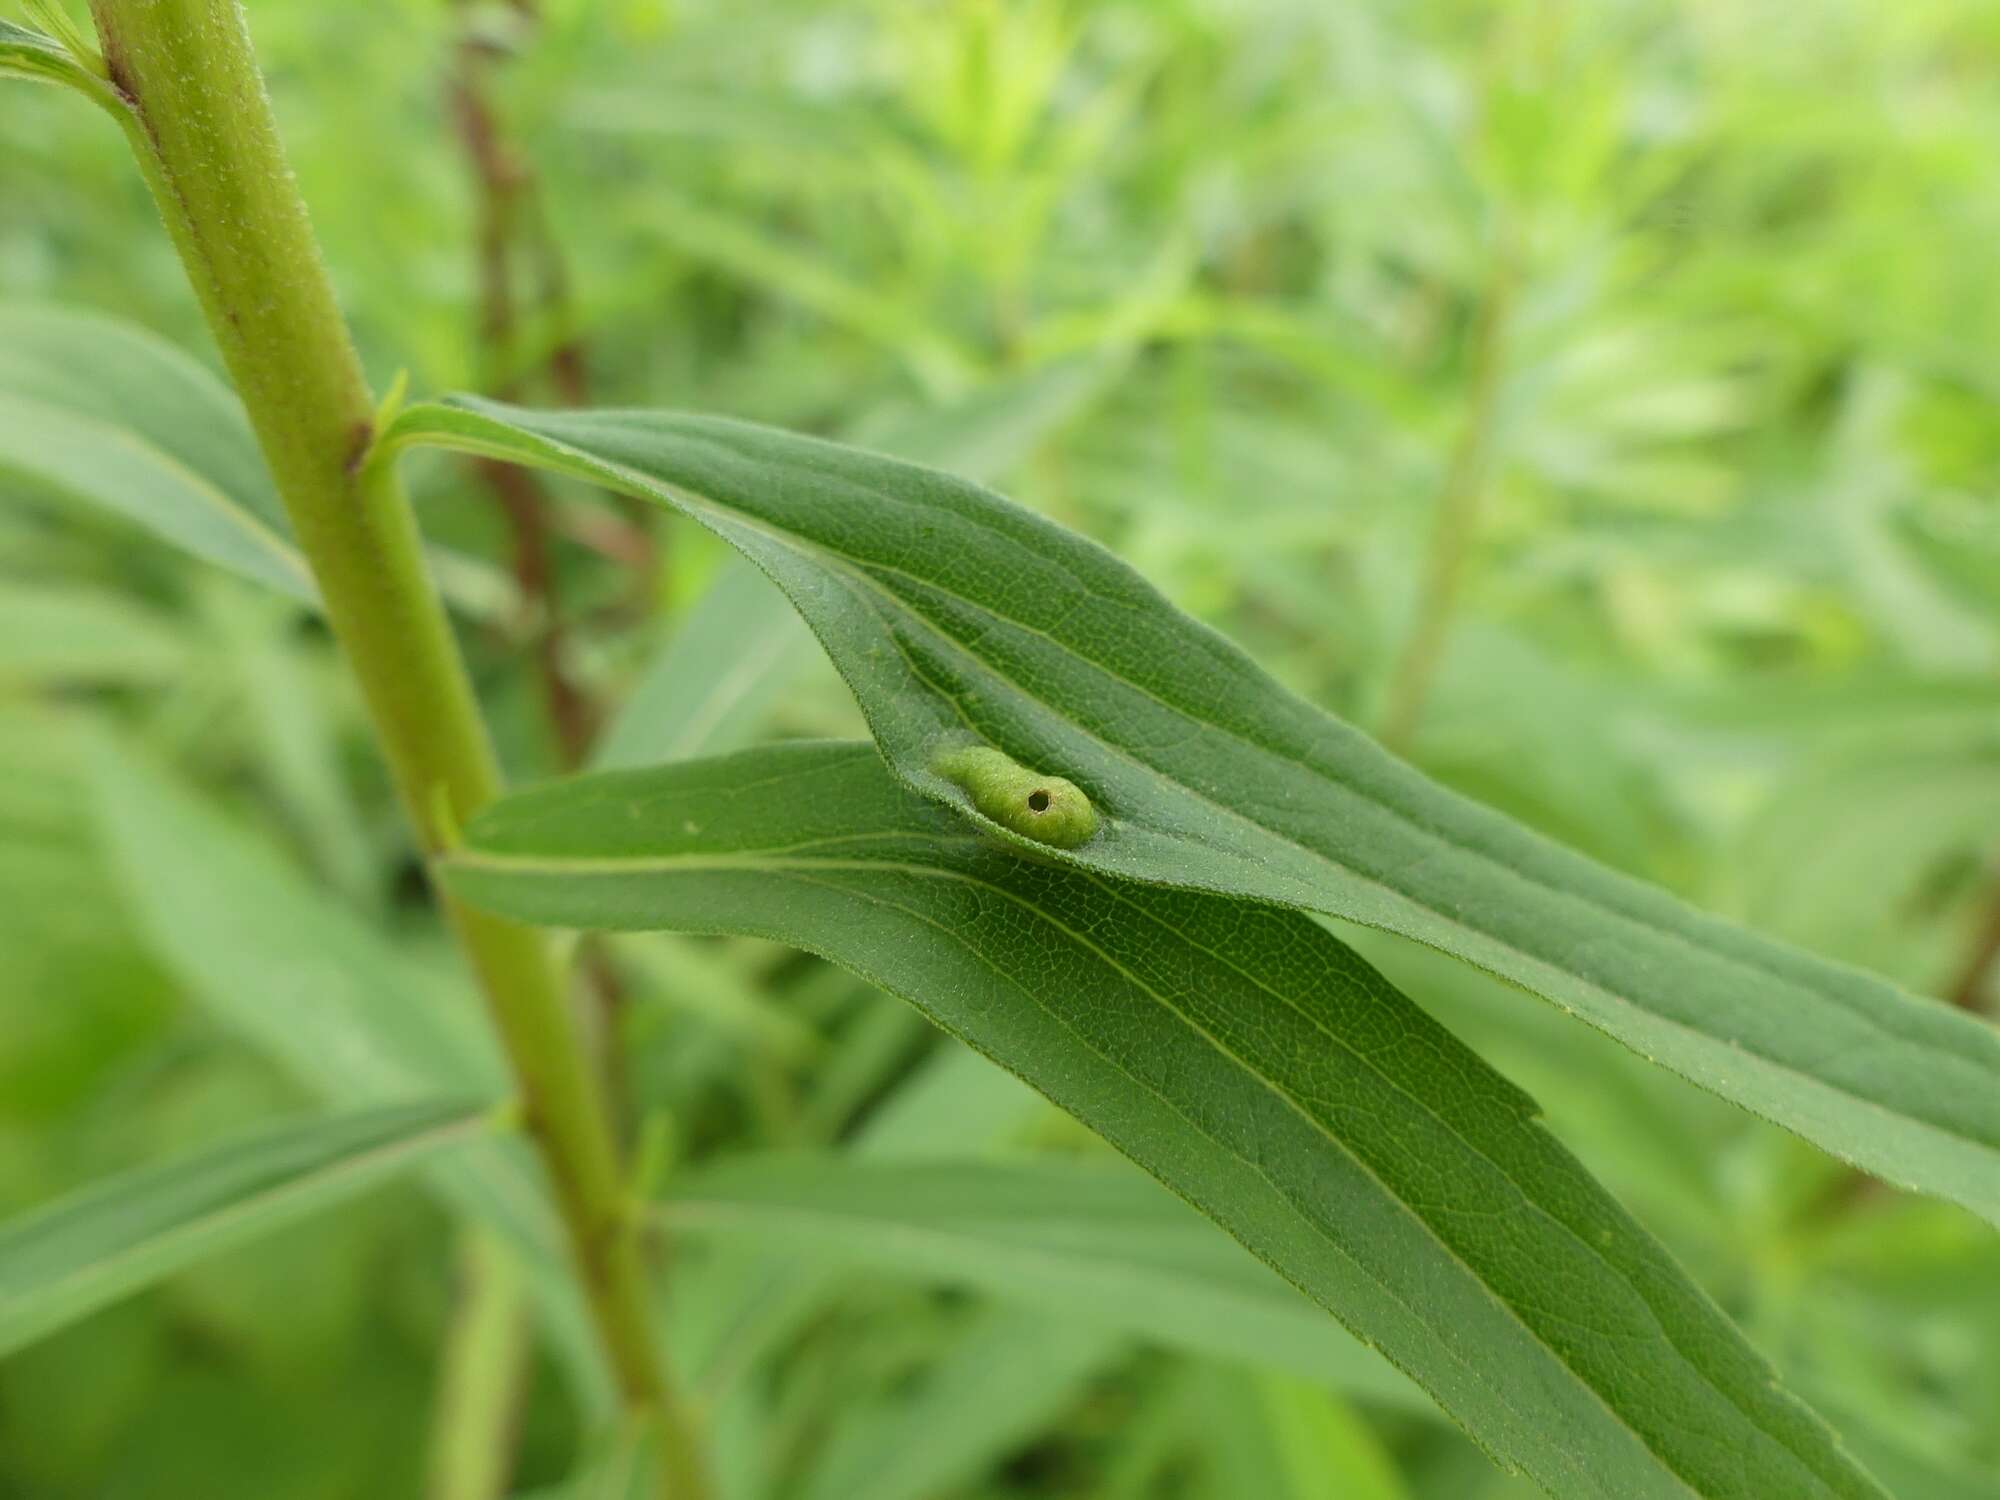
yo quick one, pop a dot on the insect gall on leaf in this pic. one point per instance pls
(1047, 809)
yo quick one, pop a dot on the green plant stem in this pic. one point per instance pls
(201, 126)
(482, 1375)
(1457, 510)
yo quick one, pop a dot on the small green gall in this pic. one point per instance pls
(1047, 809)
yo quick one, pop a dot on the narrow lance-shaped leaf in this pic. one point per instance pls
(104, 414)
(1246, 1058)
(31, 55)
(1093, 1242)
(991, 1391)
(120, 419)
(111, 1239)
(278, 963)
(742, 646)
(960, 619)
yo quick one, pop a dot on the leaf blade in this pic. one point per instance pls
(123, 421)
(956, 616)
(112, 1239)
(1241, 1055)
(274, 962)
(1101, 1242)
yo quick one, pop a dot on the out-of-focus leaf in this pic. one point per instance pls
(1849, 854)
(1327, 1452)
(1960, 544)
(993, 1389)
(118, 419)
(1508, 726)
(111, 1239)
(958, 618)
(275, 962)
(712, 688)
(107, 415)
(771, 119)
(627, 1466)
(957, 1104)
(1096, 1240)
(62, 933)
(1275, 1437)
(51, 635)
(745, 250)
(284, 685)
(1239, 1053)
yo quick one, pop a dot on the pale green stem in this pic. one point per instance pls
(195, 109)
(481, 1375)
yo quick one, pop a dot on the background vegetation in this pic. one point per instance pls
(1596, 400)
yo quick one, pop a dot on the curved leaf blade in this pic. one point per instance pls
(956, 616)
(121, 420)
(1242, 1055)
(104, 414)
(743, 646)
(112, 1239)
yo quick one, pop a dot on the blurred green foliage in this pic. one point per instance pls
(1729, 619)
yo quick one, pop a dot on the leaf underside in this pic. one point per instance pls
(1242, 1055)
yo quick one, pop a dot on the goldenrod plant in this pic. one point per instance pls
(592, 911)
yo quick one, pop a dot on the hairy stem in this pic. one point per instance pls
(202, 128)
(1457, 510)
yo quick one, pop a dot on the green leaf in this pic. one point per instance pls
(42, 59)
(1094, 1240)
(1243, 1056)
(75, 1256)
(104, 414)
(116, 418)
(959, 618)
(1324, 1449)
(282, 679)
(276, 963)
(745, 251)
(626, 1465)
(56, 635)
(743, 646)
(996, 1388)
(718, 679)
(1279, 1440)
